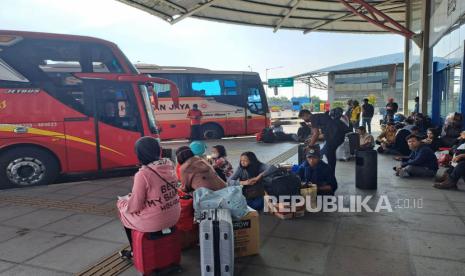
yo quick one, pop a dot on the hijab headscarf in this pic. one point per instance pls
(148, 150)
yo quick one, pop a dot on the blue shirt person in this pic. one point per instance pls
(314, 170)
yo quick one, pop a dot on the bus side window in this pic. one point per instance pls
(163, 90)
(206, 87)
(230, 88)
(254, 101)
(117, 106)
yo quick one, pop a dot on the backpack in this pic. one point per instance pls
(267, 135)
(340, 129)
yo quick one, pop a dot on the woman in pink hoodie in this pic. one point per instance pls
(153, 204)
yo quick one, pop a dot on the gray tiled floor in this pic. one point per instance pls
(413, 241)
(65, 257)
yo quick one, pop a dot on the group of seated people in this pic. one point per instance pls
(417, 148)
(153, 204)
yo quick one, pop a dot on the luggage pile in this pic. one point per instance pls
(279, 181)
(245, 221)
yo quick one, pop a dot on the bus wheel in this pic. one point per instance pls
(212, 131)
(28, 166)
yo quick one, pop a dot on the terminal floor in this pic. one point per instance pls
(65, 228)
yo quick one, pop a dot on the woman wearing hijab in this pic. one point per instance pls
(153, 204)
(195, 172)
(249, 174)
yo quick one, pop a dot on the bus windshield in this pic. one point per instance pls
(148, 108)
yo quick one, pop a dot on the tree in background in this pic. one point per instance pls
(340, 104)
(279, 103)
(372, 99)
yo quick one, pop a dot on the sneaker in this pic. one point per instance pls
(125, 254)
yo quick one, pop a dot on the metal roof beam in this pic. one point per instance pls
(173, 5)
(150, 10)
(193, 11)
(348, 15)
(289, 13)
(374, 19)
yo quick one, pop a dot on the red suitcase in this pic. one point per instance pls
(156, 252)
(187, 228)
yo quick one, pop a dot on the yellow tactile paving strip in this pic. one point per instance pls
(109, 266)
(60, 204)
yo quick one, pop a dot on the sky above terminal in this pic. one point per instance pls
(191, 42)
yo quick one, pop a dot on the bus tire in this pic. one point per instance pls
(27, 166)
(212, 131)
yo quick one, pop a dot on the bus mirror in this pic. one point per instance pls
(174, 94)
(154, 96)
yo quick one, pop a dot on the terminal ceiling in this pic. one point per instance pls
(301, 15)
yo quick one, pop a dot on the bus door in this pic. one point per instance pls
(119, 123)
(255, 107)
(81, 140)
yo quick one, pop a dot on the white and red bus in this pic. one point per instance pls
(69, 104)
(233, 102)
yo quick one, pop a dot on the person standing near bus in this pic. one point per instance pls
(195, 115)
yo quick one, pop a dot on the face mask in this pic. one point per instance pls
(214, 155)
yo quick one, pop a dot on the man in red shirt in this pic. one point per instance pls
(196, 129)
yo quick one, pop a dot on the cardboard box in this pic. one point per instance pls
(247, 235)
(281, 210)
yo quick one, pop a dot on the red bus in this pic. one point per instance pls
(233, 103)
(82, 117)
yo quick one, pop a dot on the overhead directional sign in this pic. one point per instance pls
(285, 82)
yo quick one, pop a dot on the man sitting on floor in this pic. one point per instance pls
(422, 162)
(367, 141)
(315, 171)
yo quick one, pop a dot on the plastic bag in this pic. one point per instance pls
(227, 198)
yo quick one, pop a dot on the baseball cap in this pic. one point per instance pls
(313, 151)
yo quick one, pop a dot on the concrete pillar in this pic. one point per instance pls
(406, 63)
(424, 56)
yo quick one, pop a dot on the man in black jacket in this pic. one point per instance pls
(367, 114)
(334, 131)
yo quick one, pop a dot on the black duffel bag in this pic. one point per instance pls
(268, 135)
(279, 182)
